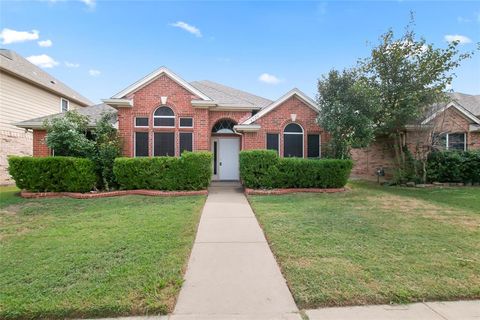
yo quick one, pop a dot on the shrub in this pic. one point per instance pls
(192, 171)
(264, 169)
(56, 174)
(454, 166)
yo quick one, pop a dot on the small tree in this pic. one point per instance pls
(408, 76)
(347, 109)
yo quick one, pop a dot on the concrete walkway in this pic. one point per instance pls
(232, 273)
(454, 310)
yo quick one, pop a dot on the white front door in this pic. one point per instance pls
(227, 159)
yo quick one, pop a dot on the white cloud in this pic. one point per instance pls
(269, 79)
(456, 37)
(45, 43)
(461, 19)
(90, 3)
(189, 28)
(43, 61)
(94, 73)
(71, 64)
(12, 36)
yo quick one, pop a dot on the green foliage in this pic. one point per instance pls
(264, 169)
(454, 166)
(192, 171)
(347, 108)
(67, 135)
(57, 174)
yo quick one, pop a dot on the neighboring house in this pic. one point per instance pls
(454, 125)
(163, 115)
(27, 91)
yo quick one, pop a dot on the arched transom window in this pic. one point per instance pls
(223, 126)
(293, 141)
(164, 117)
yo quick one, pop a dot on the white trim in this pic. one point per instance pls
(266, 141)
(297, 133)
(155, 74)
(246, 128)
(457, 106)
(180, 122)
(118, 103)
(135, 122)
(294, 92)
(61, 105)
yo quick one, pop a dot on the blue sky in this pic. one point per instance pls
(100, 47)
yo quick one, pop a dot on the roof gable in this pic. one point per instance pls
(292, 93)
(457, 106)
(154, 75)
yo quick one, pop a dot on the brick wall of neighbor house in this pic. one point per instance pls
(381, 153)
(276, 120)
(40, 148)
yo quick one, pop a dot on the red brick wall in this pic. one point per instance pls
(276, 120)
(40, 149)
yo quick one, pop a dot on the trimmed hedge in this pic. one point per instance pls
(54, 174)
(264, 169)
(454, 166)
(191, 171)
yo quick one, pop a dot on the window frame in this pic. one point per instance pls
(164, 117)
(278, 141)
(294, 133)
(135, 122)
(135, 144)
(180, 141)
(447, 141)
(180, 122)
(319, 145)
(61, 105)
(174, 143)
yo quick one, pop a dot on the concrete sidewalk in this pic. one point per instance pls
(452, 310)
(232, 273)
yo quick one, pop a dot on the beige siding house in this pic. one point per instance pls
(26, 92)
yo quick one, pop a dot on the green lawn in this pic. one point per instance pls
(97, 257)
(375, 244)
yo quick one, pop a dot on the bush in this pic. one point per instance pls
(264, 169)
(192, 171)
(454, 166)
(56, 174)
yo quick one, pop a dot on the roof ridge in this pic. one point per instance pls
(228, 87)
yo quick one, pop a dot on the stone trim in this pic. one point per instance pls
(292, 190)
(93, 195)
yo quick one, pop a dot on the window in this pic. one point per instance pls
(293, 141)
(223, 126)
(141, 144)
(186, 122)
(272, 141)
(450, 141)
(313, 146)
(141, 122)
(164, 144)
(164, 117)
(186, 141)
(64, 105)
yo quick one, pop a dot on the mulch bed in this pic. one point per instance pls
(292, 190)
(92, 195)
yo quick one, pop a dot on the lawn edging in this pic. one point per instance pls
(249, 191)
(106, 194)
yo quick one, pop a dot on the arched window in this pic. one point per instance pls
(164, 117)
(293, 141)
(223, 126)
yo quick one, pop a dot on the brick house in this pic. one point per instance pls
(26, 91)
(163, 115)
(454, 125)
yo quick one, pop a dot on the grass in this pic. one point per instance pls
(375, 244)
(93, 258)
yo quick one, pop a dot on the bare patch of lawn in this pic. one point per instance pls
(375, 244)
(94, 258)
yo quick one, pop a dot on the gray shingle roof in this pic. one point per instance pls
(94, 114)
(227, 95)
(468, 101)
(14, 63)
